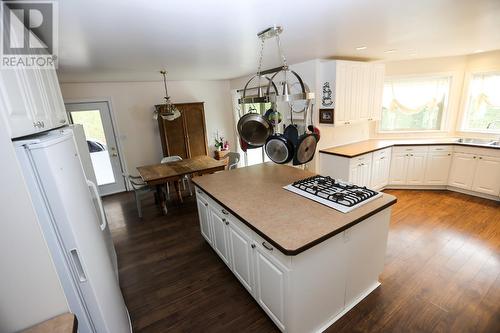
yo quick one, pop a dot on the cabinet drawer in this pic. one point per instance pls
(366, 159)
(405, 149)
(440, 148)
(272, 251)
(201, 194)
(383, 152)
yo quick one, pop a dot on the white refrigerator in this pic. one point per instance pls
(75, 228)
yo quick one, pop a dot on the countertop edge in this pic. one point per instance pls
(308, 245)
(323, 151)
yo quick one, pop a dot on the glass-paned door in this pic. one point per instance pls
(101, 141)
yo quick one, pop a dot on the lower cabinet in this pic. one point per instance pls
(437, 168)
(241, 249)
(462, 170)
(381, 166)
(299, 293)
(416, 168)
(478, 173)
(203, 213)
(220, 234)
(270, 277)
(487, 175)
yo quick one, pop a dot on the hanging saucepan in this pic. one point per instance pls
(253, 127)
(279, 148)
(306, 147)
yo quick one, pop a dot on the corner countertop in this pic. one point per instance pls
(368, 146)
(288, 221)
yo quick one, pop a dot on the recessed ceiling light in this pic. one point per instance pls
(390, 51)
(478, 51)
(360, 48)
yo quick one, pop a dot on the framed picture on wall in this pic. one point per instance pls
(326, 116)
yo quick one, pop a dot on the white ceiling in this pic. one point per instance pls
(196, 39)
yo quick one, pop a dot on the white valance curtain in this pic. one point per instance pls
(484, 92)
(415, 96)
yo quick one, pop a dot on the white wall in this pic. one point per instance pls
(30, 291)
(459, 67)
(133, 105)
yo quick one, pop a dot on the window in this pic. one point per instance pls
(482, 109)
(414, 104)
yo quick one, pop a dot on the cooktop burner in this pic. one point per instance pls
(333, 193)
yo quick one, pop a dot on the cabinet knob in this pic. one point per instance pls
(206, 205)
(480, 158)
(224, 211)
(474, 157)
(227, 222)
(253, 246)
(449, 154)
(382, 157)
(62, 121)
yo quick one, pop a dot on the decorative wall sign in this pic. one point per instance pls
(326, 116)
(327, 99)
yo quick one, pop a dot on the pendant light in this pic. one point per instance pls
(168, 111)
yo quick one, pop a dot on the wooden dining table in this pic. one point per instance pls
(159, 175)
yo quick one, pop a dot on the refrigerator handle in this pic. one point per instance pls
(93, 188)
(77, 264)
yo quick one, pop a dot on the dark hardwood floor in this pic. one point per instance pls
(442, 271)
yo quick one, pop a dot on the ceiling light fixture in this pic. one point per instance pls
(478, 51)
(390, 51)
(360, 48)
(167, 111)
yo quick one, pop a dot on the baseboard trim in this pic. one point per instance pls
(440, 187)
(349, 307)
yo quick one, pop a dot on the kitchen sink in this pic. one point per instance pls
(481, 142)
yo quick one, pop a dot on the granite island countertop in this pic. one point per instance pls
(368, 146)
(288, 221)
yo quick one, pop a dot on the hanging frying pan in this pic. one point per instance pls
(254, 129)
(305, 149)
(279, 148)
(306, 145)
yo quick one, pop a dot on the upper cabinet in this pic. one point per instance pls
(356, 90)
(31, 100)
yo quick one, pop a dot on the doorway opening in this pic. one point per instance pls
(95, 117)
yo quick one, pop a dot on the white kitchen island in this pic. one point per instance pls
(304, 263)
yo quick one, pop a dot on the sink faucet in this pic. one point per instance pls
(492, 123)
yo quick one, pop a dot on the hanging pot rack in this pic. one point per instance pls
(274, 96)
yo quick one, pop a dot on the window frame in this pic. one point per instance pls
(465, 102)
(446, 109)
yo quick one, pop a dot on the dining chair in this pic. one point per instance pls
(140, 188)
(185, 180)
(234, 159)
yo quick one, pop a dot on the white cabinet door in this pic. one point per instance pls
(399, 165)
(416, 168)
(203, 214)
(437, 168)
(37, 97)
(15, 104)
(364, 92)
(240, 246)
(54, 97)
(354, 174)
(220, 243)
(365, 173)
(378, 74)
(462, 170)
(270, 278)
(380, 172)
(342, 101)
(487, 175)
(354, 87)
